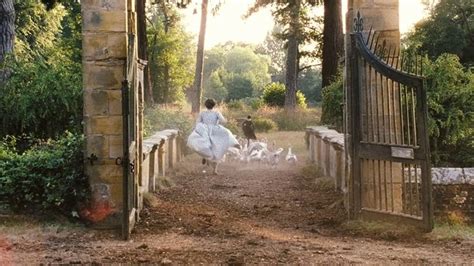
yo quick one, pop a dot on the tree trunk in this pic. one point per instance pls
(142, 49)
(197, 86)
(292, 58)
(7, 32)
(166, 67)
(333, 42)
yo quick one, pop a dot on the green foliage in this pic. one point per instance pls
(449, 29)
(264, 125)
(48, 176)
(234, 71)
(333, 98)
(216, 89)
(170, 55)
(42, 97)
(296, 120)
(161, 118)
(238, 86)
(450, 90)
(236, 104)
(37, 29)
(309, 83)
(254, 102)
(274, 95)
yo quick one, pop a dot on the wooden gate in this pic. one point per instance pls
(389, 149)
(130, 161)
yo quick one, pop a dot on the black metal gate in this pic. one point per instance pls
(389, 147)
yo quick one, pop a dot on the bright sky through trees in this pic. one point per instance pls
(228, 24)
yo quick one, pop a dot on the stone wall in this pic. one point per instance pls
(161, 152)
(453, 188)
(104, 63)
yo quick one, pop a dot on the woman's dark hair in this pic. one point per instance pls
(210, 103)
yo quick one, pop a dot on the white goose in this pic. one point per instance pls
(290, 157)
(274, 157)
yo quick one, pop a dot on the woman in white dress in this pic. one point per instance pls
(209, 138)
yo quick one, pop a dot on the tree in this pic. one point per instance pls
(333, 43)
(7, 32)
(309, 83)
(448, 29)
(273, 46)
(169, 59)
(197, 85)
(293, 16)
(235, 71)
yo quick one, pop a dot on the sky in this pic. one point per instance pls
(228, 24)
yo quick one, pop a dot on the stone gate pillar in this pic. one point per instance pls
(383, 17)
(104, 63)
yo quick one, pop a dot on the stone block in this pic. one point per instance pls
(104, 21)
(101, 46)
(115, 146)
(96, 102)
(98, 145)
(116, 194)
(469, 175)
(105, 173)
(110, 125)
(447, 176)
(103, 75)
(107, 5)
(115, 102)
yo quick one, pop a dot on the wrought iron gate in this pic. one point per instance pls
(389, 147)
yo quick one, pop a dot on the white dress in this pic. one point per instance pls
(210, 139)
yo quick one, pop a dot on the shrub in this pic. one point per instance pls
(264, 125)
(160, 118)
(274, 95)
(236, 104)
(450, 90)
(48, 176)
(296, 120)
(332, 110)
(42, 97)
(254, 103)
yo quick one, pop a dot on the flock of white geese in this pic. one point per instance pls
(259, 151)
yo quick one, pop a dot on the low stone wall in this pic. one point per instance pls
(160, 153)
(326, 150)
(453, 188)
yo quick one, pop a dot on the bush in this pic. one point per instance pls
(42, 97)
(274, 95)
(450, 90)
(264, 125)
(236, 104)
(332, 110)
(48, 176)
(297, 120)
(160, 118)
(254, 103)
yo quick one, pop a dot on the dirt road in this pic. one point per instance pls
(249, 214)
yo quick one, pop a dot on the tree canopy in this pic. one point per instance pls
(448, 29)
